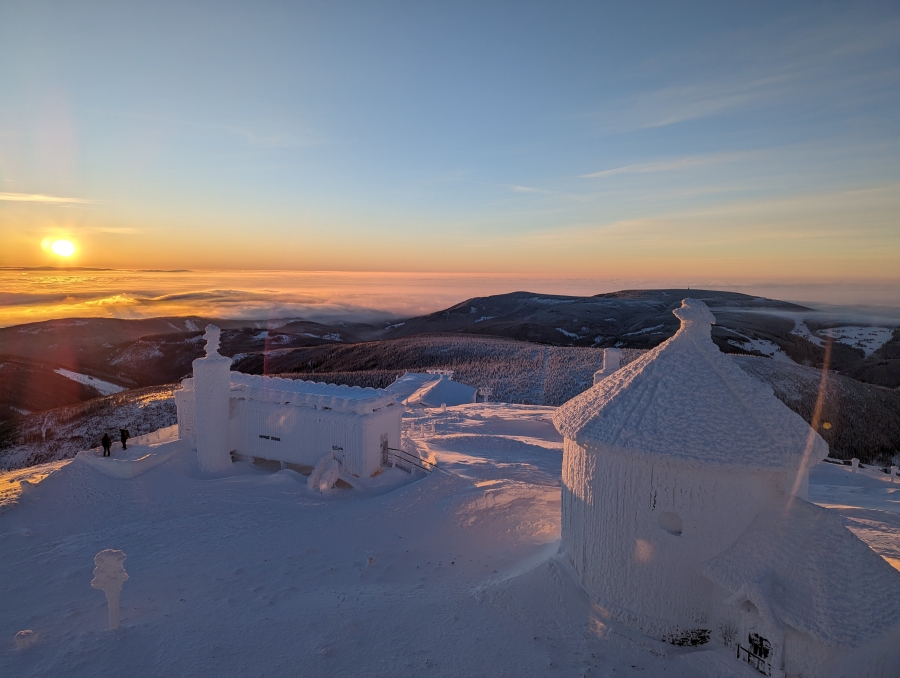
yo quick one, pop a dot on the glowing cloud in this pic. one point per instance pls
(36, 197)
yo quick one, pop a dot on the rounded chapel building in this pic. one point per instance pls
(683, 514)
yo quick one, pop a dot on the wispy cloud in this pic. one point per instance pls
(667, 165)
(672, 105)
(116, 230)
(529, 189)
(824, 62)
(38, 197)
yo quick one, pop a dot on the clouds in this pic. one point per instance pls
(45, 199)
(369, 297)
(828, 65)
(668, 165)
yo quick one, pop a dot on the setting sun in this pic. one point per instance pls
(64, 248)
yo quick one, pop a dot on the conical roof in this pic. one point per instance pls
(686, 399)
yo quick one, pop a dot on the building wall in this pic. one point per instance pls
(620, 520)
(302, 435)
(184, 407)
(299, 434)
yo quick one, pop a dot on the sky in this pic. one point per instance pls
(753, 141)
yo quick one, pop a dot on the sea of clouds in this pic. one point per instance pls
(325, 296)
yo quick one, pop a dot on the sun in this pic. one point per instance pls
(64, 248)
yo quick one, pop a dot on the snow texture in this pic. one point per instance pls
(25, 639)
(797, 553)
(809, 577)
(455, 574)
(687, 399)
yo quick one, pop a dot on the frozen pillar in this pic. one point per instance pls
(212, 394)
(854, 464)
(612, 357)
(109, 575)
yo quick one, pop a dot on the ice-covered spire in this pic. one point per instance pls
(212, 336)
(693, 313)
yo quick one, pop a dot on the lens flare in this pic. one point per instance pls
(64, 248)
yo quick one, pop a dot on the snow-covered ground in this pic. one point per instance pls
(869, 339)
(764, 347)
(801, 330)
(868, 501)
(103, 387)
(251, 573)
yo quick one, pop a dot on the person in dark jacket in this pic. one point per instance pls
(124, 435)
(107, 443)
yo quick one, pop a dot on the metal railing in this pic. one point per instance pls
(395, 457)
(754, 660)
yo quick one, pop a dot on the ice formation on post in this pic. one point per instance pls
(109, 575)
(612, 358)
(683, 514)
(212, 385)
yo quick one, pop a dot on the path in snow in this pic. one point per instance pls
(103, 387)
(251, 573)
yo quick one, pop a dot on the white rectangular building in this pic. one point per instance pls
(298, 422)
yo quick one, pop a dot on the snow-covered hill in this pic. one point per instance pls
(251, 573)
(864, 420)
(517, 371)
(61, 432)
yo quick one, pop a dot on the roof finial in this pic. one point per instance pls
(694, 312)
(212, 336)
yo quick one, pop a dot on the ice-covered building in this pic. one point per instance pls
(683, 513)
(292, 421)
(431, 389)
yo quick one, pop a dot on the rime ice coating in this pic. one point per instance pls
(683, 515)
(212, 379)
(213, 336)
(686, 398)
(109, 575)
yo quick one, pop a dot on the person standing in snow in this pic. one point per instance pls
(124, 435)
(107, 443)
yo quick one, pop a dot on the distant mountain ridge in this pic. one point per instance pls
(143, 352)
(864, 420)
(632, 318)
